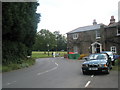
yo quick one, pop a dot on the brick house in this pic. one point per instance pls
(95, 38)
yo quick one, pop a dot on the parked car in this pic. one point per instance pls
(98, 63)
(110, 53)
(116, 57)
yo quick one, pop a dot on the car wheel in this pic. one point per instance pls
(108, 71)
(84, 72)
(113, 63)
(110, 67)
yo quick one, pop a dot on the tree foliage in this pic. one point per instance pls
(19, 21)
(55, 40)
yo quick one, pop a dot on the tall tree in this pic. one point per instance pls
(55, 40)
(19, 21)
(43, 38)
(61, 41)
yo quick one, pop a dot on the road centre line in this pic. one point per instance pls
(56, 64)
(48, 70)
(11, 83)
(87, 84)
(92, 76)
(8, 83)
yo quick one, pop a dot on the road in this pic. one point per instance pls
(57, 73)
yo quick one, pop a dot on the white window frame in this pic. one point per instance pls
(75, 36)
(113, 49)
(98, 34)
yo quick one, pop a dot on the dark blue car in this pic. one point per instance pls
(97, 63)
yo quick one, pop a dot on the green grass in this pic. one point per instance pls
(117, 66)
(28, 62)
(41, 54)
(0, 68)
(13, 66)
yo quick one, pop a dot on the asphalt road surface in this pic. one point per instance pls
(57, 73)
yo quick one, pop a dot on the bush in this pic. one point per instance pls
(14, 66)
(83, 55)
(13, 52)
(117, 64)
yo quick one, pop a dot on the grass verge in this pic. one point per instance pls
(117, 65)
(0, 68)
(10, 67)
(41, 54)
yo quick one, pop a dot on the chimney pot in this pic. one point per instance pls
(112, 17)
(94, 22)
(112, 20)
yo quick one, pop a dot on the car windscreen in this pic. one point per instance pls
(98, 57)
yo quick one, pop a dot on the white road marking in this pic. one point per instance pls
(56, 64)
(8, 83)
(87, 84)
(92, 76)
(11, 83)
(48, 70)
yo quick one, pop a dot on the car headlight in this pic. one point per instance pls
(85, 65)
(103, 65)
(100, 65)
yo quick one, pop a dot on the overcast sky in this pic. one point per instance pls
(66, 15)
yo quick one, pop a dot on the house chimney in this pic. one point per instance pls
(112, 20)
(94, 22)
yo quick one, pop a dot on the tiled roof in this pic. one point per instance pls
(86, 28)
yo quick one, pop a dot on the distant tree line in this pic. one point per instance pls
(19, 25)
(46, 40)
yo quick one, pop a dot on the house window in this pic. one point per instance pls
(97, 34)
(75, 36)
(113, 49)
(75, 49)
(118, 30)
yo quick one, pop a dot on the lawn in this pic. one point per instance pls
(41, 54)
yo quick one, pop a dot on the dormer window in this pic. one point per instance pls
(75, 36)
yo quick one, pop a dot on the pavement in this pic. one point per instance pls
(57, 73)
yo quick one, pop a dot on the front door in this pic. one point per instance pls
(96, 47)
